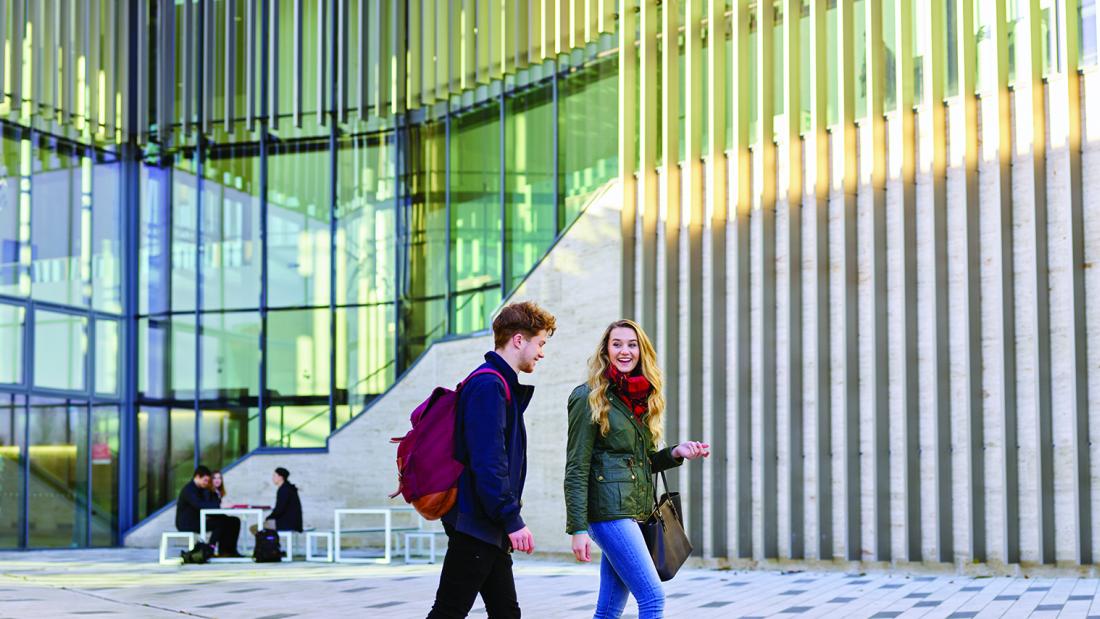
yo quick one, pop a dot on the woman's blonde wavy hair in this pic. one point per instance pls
(599, 399)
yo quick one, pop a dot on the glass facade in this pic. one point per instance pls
(167, 300)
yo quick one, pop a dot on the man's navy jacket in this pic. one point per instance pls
(491, 440)
(193, 499)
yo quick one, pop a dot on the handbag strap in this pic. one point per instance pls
(664, 480)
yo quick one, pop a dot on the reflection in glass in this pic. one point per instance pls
(231, 229)
(166, 357)
(12, 319)
(106, 238)
(365, 225)
(588, 131)
(298, 353)
(60, 350)
(298, 225)
(104, 482)
(166, 456)
(58, 201)
(297, 426)
(107, 349)
(12, 160)
(227, 434)
(12, 418)
(365, 338)
(167, 244)
(58, 485)
(231, 355)
(475, 218)
(530, 216)
(424, 308)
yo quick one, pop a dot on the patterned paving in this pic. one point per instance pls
(129, 583)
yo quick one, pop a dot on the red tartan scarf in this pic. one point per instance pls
(633, 390)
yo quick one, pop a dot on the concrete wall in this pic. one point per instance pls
(578, 282)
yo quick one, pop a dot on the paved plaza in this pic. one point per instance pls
(129, 583)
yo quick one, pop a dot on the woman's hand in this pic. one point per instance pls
(690, 450)
(582, 547)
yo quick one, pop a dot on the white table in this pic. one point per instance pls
(387, 529)
(237, 513)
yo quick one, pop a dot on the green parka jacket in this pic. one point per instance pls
(609, 477)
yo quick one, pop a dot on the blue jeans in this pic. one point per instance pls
(626, 568)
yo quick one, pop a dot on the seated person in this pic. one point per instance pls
(196, 496)
(288, 508)
(217, 486)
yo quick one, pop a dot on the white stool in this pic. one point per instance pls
(420, 536)
(168, 535)
(314, 535)
(286, 541)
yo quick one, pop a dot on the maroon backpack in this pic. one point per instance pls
(427, 472)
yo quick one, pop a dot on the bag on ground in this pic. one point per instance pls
(427, 472)
(199, 553)
(267, 548)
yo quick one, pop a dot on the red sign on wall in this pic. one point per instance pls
(101, 453)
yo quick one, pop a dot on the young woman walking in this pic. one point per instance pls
(615, 426)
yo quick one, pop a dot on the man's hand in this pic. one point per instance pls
(582, 547)
(522, 540)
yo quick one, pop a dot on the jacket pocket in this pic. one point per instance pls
(615, 480)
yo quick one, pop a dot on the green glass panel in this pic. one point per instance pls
(890, 41)
(230, 356)
(365, 348)
(12, 418)
(366, 266)
(530, 213)
(60, 350)
(231, 229)
(107, 349)
(475, 217)
(166, 455)
(166, 357)
(57, 488)
(227, 433)
(57, 223)
(106, 238)
(298, 218)
(1088, 26)
(424, 307)
(10, 165)
(297, 426)
(298, 353)
(12, 322)
(104, 482)
(588, 133)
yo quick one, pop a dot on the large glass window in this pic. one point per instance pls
(58, 489)
(231, 229)
(298, 362)
(227, 433)
(12, 418)
(298, 225)
(107, 349)
(104, 482)
(166, 455)
(12, 161)
(531, 213)
(424, 228)
(12, 318)
(166, 358)
(106, 251)
(588, 132)
(365, 368)
(60, 194)
(475, 218)
(168, 249)
(60, 350)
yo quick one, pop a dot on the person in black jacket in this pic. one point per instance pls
(196, 496)
(288, 507)
(485, 524)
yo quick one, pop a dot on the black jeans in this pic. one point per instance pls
(472, 567)
(224, 531)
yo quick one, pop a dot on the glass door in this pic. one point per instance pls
(58, 473)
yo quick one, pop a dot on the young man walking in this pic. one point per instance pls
(491, 441)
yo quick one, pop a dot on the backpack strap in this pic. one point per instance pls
(507, 391)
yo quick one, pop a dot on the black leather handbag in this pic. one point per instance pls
(664, 533)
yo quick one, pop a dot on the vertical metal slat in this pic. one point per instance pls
(230, 95)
